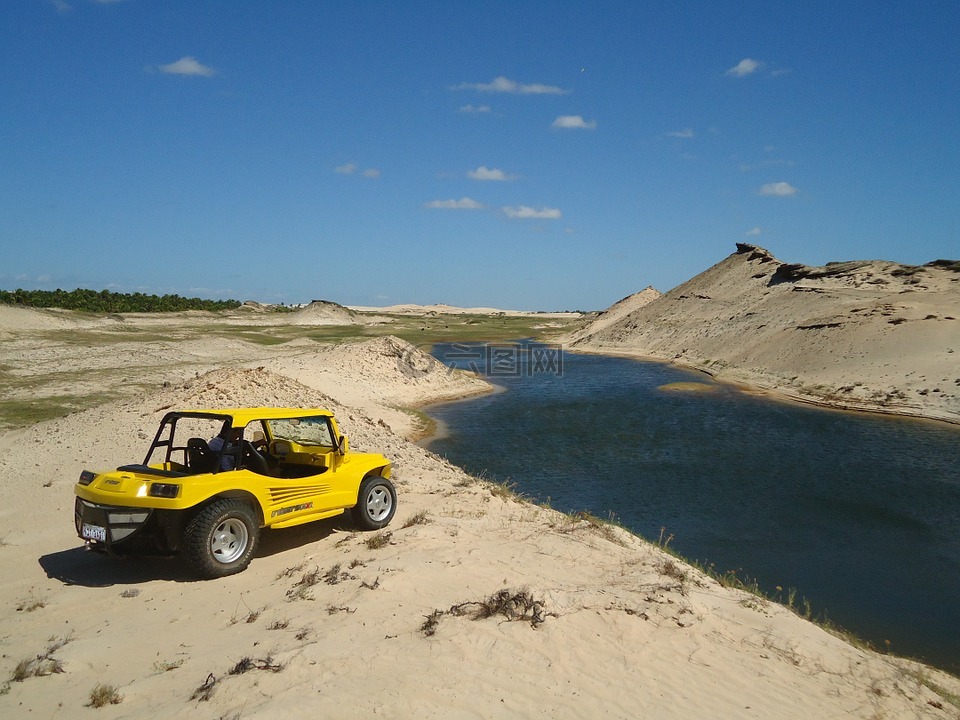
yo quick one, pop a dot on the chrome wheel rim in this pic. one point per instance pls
(229, 541)
(379, 503)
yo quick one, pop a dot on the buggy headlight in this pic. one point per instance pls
(86, 477)
(164, 490)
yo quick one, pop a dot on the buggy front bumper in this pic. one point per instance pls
(104, 526)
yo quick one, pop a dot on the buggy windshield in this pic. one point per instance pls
(303, 431)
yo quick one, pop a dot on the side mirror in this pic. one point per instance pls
(343, 445)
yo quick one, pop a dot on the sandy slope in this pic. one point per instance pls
(605, 625)
(870, 335)
(615, 312)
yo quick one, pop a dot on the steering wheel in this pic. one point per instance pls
(254, 460)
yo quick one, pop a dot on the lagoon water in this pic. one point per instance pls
(859, 513)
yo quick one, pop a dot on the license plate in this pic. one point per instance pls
(93, 532)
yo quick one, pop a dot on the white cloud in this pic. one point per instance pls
(351, 168)
(485, 173)
(574, 122)
(745, 67)
(187, 66)
(524, 212)
(475, 109)
(753, 231)
(61, 6)
(688, 133)
(464, 203)
(778, 189)
(505, 85)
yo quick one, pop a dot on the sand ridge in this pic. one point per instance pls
(867, 335)
(324, 622)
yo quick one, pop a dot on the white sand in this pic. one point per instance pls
(868, 336)
(626, 631)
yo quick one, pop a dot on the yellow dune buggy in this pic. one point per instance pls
(213, 478)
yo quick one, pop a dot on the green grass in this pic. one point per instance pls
(20, 413)
(31, 398)
(413, 329)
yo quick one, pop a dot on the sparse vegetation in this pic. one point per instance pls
(430, 623)
(379, 540)
(251, 614)
(31, 602)
(334, 609)
(206, 690)
(673, 570)
(102, 695)
(420, 518)
(247, 664)
(505, 490)
(43, 664)
(50, 395)
(513, 606)
(301, 588)
(334, 576)
(585, 519)
(290, 571)
(162, 667)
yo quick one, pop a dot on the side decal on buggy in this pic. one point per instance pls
(291, 509)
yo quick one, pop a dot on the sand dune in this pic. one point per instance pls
(322, 312)
(868, 335)
(478, 605)
(615, 312)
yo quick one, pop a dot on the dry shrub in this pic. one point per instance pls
(381, 539)
(205, 691)
(514, 606)
(247, 664)
(420, 518)
(301, 588)
(102, 695)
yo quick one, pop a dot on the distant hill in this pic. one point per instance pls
(322, 312)
(872, 335)
(616, 311)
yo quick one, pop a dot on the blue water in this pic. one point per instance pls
(859, 513)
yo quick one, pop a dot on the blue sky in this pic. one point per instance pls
(531, 155)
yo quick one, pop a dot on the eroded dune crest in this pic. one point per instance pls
(869, 335)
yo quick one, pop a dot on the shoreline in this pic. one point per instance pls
(776, 393)
(744, 581)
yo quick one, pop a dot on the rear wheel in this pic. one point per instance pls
(376, 503)
(221, 539)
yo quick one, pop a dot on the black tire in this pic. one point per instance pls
(222, 538)
(376, 503)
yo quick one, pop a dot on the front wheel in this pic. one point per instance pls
(221, 539)
(376, 503)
